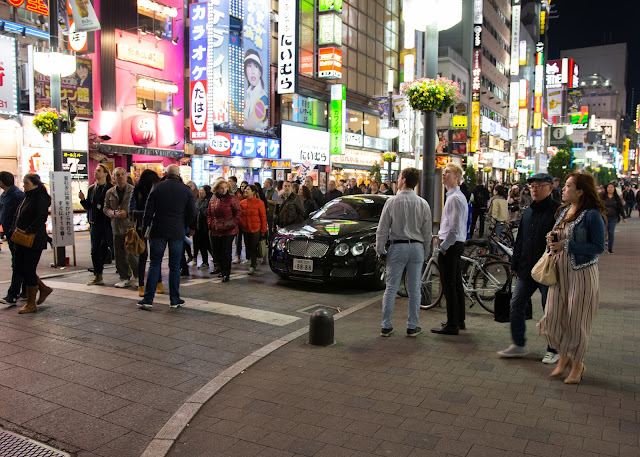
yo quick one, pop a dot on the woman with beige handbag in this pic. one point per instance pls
(30, 237)
(572, 302)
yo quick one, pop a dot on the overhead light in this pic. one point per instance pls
(158, 86)
(143, 30)
(390, 133)
(175, 41)
(47, 58)
(143, 105)
(175, 143)
(158, 35)
(176, 111)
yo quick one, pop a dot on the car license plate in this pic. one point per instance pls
(303, 265)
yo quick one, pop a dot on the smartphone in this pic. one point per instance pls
(554, 237)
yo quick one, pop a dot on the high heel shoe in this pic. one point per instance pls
(577, 371)
(561, 367)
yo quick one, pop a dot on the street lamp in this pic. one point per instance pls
(432, 16)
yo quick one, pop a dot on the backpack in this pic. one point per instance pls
(480, 197)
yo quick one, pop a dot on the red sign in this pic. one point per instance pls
(330, 63)
(476, 72)
(198, 110)
(220, 144)
(36, 6)
(143, 129)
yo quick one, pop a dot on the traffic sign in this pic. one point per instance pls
(558, 136)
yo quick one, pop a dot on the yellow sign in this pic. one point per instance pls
(153, 59)
(475, 126)
(459, 122)
(625, 154)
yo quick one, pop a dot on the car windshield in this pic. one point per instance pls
(352, 209)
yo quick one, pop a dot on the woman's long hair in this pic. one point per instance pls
(148, 179)
(589, 200)
(106, 172)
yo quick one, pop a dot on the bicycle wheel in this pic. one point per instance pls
(402, 290)
(430, 286)
(488, 280)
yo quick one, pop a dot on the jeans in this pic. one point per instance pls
(251, 242)
(399, 257)
(17, 281)
(157, 247)
(222, 247)
(100, 232)
(451, 274)
(142, 262)
(124, 260)
(522, 291)
(611, 228)
(475, 214)
(26, 263)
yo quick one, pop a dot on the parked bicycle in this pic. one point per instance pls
(484, 278)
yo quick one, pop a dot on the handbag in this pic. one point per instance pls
(133, 244)
(544, 271)
(23, 239)
(502, 303)
(262, 248)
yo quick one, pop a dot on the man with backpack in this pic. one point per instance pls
(480, 198)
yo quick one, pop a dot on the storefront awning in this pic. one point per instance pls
(109, 148)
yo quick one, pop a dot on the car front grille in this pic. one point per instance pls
(307, 248)
(348, 272)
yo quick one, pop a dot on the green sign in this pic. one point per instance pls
(338, 113)
(330, 5)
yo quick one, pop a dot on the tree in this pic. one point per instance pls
(562, 163)
(470, 177)
(374, 173)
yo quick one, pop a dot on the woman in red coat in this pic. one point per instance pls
(223, 216)
(253, 222)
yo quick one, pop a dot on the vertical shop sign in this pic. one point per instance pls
(515, 38)
(338, 118)
(287, 47)
(514, 95)
(61, 208)
(537, 92)
(475, 126)
(255, 44)
(198, 69)
(8, 76)
(217, 75)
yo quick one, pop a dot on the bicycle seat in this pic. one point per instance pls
(477, 242)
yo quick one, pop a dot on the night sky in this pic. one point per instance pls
(584, 23)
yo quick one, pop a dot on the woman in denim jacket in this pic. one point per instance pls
(572, 303)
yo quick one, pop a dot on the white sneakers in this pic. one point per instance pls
(514, 351)
(122, 284)
(550, 358)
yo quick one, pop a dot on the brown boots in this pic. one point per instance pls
(44, 291)
(30, 307)
(32, 292)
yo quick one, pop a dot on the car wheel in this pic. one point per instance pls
(378, 280)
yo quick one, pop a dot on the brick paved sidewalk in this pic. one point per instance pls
(437, 395)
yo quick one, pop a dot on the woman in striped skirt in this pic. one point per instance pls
(572, 303)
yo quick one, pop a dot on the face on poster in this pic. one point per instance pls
(77, 88)
(256, 64)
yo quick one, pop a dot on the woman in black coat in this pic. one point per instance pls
(31, 219)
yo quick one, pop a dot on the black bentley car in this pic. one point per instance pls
(337, 242)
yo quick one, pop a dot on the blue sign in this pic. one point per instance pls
(254, 147)
(274, 149)
(198, 41)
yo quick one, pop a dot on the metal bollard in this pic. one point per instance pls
(321, 328)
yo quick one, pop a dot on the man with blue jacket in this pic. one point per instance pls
(537, 220)
(169, 212)
(10, 201)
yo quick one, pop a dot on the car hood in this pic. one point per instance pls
(329, 228)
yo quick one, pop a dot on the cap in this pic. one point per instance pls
(544, 177)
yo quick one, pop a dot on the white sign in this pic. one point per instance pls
(78, 140)
(404, 139)
(8, 76)
(538, 81)
(514, 100)
(84, 17)
(554, 74)
(353, 139)
(287, 47)
(77, 40)
(490, 126)
(373, 142)
(554, 104)
(357, 157)
(608, 127)
(61, 208)
(477, 11)
(305, 145)
(515, 40)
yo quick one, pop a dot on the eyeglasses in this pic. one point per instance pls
(538, 186)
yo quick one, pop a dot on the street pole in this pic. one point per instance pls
(56, 103)
(429, 117)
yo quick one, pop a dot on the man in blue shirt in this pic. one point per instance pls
(10, 201)
(452, 235)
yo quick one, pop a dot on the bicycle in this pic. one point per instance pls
(480, 284)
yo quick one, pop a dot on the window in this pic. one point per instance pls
(304, 110)
(155, 95)
(371, 125)
(307, 37)
(354, 121)
(157, 18)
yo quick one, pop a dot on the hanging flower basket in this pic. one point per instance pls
(49, 120)
(487, 169)
(432, 94)
(389, 157)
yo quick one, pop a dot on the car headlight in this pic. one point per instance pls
(341, 250)
(358, 249)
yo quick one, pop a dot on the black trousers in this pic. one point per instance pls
(475, 214)
(17, 281)
(251, 242)
(222, 247)
(26, 263)
(202, 245)
(452, 283)
(100, 233)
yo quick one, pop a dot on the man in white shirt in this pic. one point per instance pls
(405, 223)
(452, 235)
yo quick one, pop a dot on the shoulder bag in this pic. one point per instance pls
(545, 270)
(133, 244)
(22, 238)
